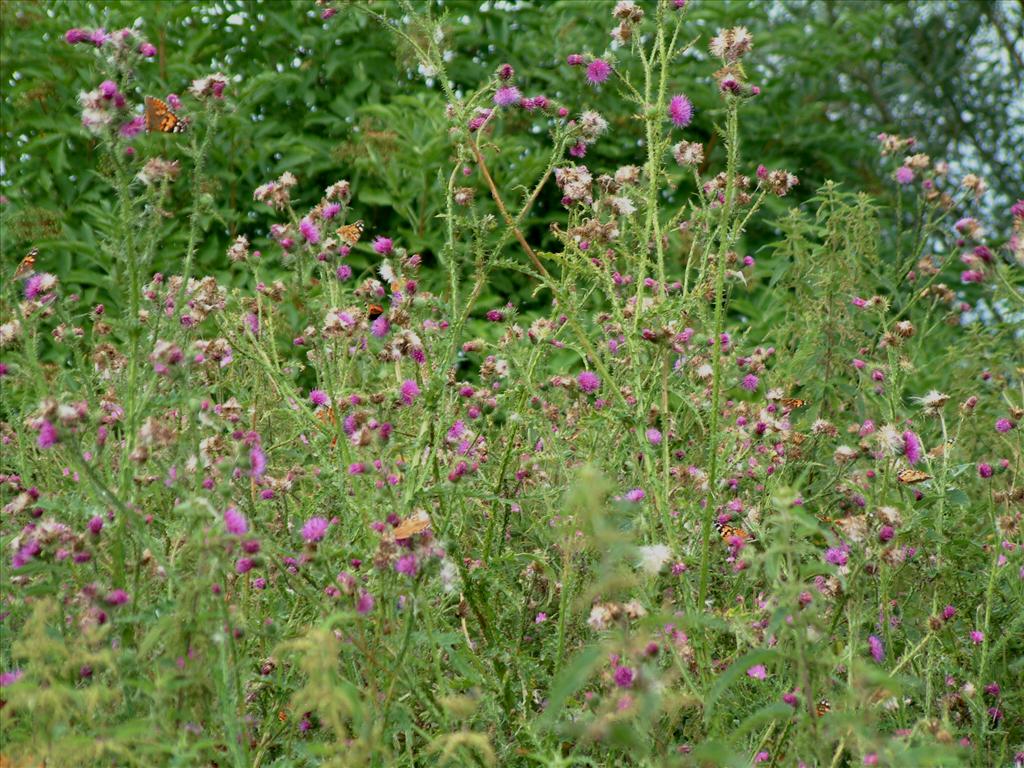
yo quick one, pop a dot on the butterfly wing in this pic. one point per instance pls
(27, 265)
(153, 109)
(912, 476)
(729, 532)
(160, 118)
(350, 233)
(328, 418)
(418, 523)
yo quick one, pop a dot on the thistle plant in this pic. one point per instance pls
(688, 505)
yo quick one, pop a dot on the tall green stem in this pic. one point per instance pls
(939, 526)
(724, 241)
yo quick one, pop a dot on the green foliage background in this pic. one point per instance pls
(337, 99)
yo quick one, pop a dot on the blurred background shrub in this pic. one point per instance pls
(337, 99)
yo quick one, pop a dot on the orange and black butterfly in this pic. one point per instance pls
(160, 118)
(823, 708)
(792, 403)
(328, 418)
(27, 266)
(912, 476)
(374, 311)
(282, 716)
(350, 233)
(729, 532)
(417, 523)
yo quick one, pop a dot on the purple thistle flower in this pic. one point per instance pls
(10, 678)
(912, 447)
(598, 71)
(133, 127)
(476, 123)
(33, 286)
(75, 35)
(380, 327)
(507, 96)
(343, 272)
(315, 529)
(729, 85)
(383, 245)
(972, 276)
(257, 461)
(409, 391)
(588, 381)
(574, 59)
(680, 111)
(309, 231)
(836, 556)
(319, 397)
(624, 677)
(653, 436)
(877, 649)
(984, 471)
(47, 435)
(235, 522)
(758, 672)
(118, 597)
(635, 495)
(95, 525)
(244, 565)
(147, 49)
(904, 175)
(750, 382)
(977, 637)
(1004, 425)
(365, 602)
(24, 555)
(406, 564)
(330, 211)
(948, 613)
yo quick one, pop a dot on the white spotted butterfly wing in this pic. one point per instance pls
(161, 119)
